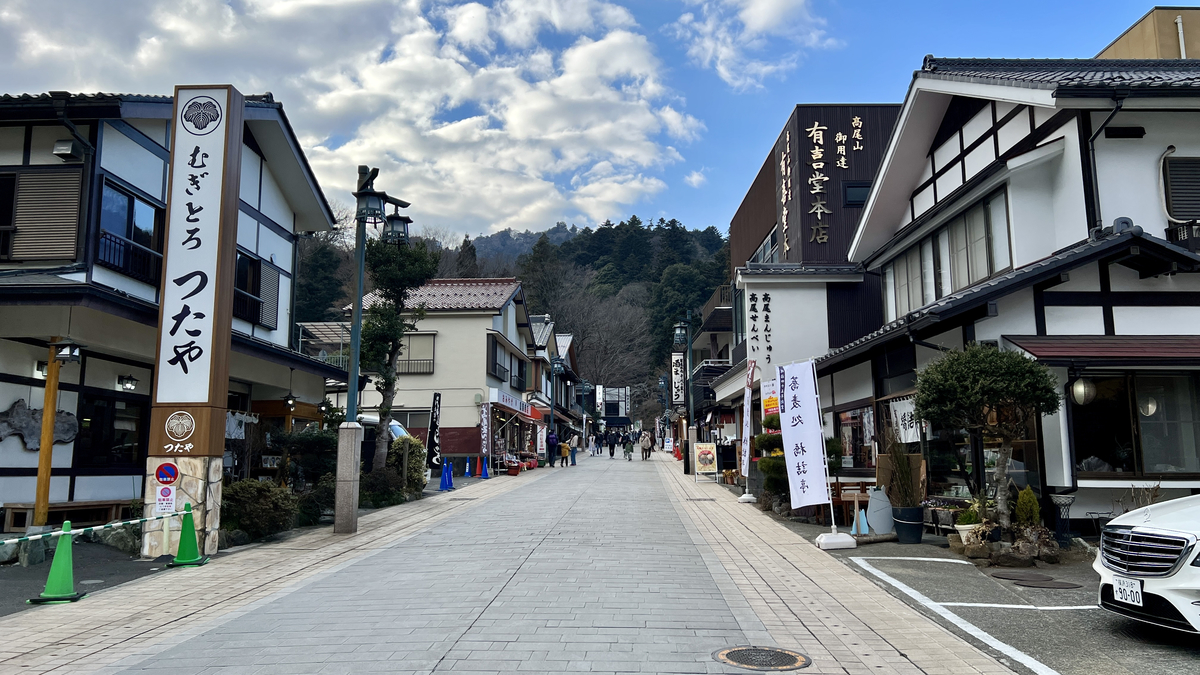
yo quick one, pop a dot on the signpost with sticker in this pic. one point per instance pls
(165, 501)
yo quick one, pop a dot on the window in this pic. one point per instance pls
(1168, 415)
(768, 250)
(969, 249)
(854, 193)
(110, 433)
(416, 358)
(247, 304)
(1183, 187)
(496, 358)
(130, 235)
(8, 205)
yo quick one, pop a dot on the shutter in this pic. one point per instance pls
(269, 292)
(1183, 187)
(47, 216)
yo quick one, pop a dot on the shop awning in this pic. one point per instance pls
(618, 422)
(1111, 349)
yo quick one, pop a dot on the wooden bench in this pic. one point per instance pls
(18, 516)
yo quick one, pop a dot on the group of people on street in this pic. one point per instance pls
(561, 451)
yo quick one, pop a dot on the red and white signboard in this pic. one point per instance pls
(165, 502)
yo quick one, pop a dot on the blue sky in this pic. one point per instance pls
(488, 114)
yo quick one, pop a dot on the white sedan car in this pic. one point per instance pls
(1149, 564)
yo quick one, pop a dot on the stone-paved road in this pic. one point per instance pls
(586, 570)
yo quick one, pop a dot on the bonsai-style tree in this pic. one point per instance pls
(990, 392)
(395, 272)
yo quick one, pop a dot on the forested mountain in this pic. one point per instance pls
(618, 288)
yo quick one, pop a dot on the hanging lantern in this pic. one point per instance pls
(1083, 391)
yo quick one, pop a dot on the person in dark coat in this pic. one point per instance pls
(551, 448)
(612, 444)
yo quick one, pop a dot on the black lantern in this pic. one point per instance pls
(290, 401)
(66, 351)
(681, 333)
(395, 228)
(127, 382)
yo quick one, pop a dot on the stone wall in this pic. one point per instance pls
(199, 484)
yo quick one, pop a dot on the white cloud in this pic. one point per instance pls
(518, 114)
(747, 41)
(696, 178)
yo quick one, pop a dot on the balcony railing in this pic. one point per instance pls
(246, 306)
(338, 360)
(518, 382)
(414, 367)
(711, 363)
(498, 371)
(133, 260)
(1185, 236)
(722, 297)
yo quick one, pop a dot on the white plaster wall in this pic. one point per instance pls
(1046, 202)
(13, 452)
(1086, 278)
(103, 375)
(274, 205)
(274, 248)
(41, 146)
(155, 130)
(1074, 321)
(138, 289)
(88, 488)
(23, 489)
(242, 326)
(12, 146)
(1156, 320)
(247, 232)
(1122, 278)
(248, 189)
(1015, 317)
(951, 339)
(853, 384)
(1128, 169)
(122, 156)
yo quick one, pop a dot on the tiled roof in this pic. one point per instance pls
(458, 294)
(1072, 347)
(542, 328)
(1065, 75)
(793, 269)
(563, 342)
(266, 100)
(1072, 256)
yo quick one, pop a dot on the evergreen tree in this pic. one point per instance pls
(541, 274)
(318, 286)
(467, 264)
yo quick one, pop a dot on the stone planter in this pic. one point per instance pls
(909, 523)
(963, 530)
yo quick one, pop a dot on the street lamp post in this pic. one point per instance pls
(683, 335)
(369, 207)
(556, 368)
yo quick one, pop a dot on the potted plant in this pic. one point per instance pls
(904, 492)
(968, 520)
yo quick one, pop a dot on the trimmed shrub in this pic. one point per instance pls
(259, 508)
(318, 499)
(774, 471)
(380, 488)
(768, 443)
(416, 460)
(968, 517)
(772, 422)
(1029, 512)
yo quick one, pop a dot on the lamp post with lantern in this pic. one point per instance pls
(370, 207)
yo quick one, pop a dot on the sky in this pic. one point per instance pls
(523, 113)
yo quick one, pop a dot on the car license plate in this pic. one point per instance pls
(1128, 591)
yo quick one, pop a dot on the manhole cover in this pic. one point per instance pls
(1047, 584)
(463, 499)
(1022, 576)
(762, 658)
(701, 499)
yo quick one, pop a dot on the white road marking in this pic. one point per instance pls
(966, 626)
(997, 606)
(900, 557)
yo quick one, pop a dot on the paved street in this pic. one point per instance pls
(608, 567)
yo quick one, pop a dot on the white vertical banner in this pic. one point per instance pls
(747, 423)
(678, 377)
(803, 439)
(541, 440)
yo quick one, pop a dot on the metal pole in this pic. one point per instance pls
(691, 419)
(552, 400)
(360, 255)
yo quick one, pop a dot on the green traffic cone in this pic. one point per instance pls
(60, 586)
(188, 554)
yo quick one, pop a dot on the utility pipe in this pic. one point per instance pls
(1120, 99)
(1179, 27)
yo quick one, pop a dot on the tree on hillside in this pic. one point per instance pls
(541, 274)
(467, 265)
(319, 290)
(990, 392)
(681, 288)
(395, 271)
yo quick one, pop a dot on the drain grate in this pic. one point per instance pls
(701, 499)
(463, 499)
(1022, 576)
(1047, 584)
(762, 658)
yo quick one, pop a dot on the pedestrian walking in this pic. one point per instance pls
(612, 444)
(551, 448)
(646, 444)
(591, 441)
(574, 447)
